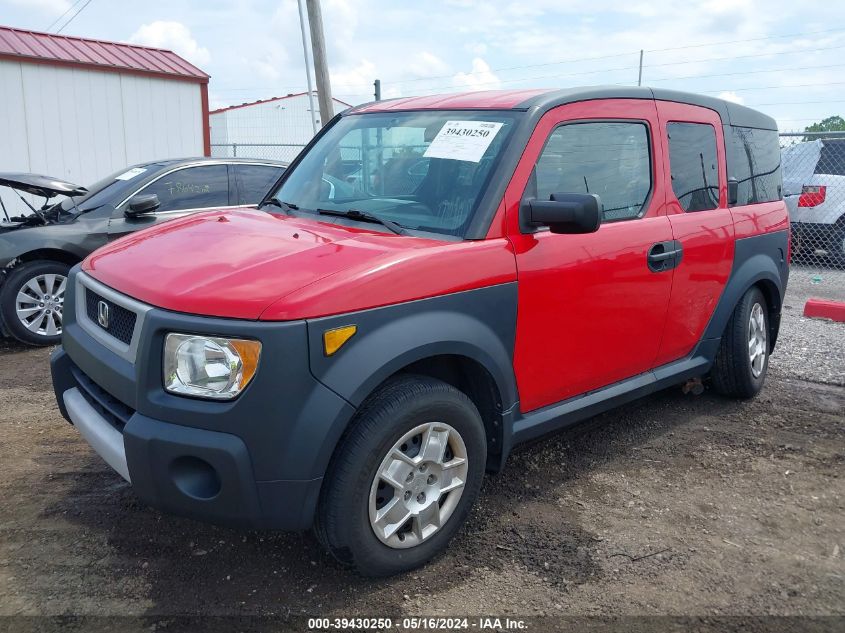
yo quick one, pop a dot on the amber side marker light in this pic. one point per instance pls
(334, 339)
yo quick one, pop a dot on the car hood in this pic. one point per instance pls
(38, 185)
(251, 264)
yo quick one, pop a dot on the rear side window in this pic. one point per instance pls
(832, 159)
(192, 188)
(694, 165)
(254, 181)
(609, 159)
(754, 160)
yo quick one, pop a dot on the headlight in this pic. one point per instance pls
(209, 367)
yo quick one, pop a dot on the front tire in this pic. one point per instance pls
(403, 480)
(743, 358)
(32, 299)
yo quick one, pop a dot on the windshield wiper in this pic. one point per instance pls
(284, 206)
(365, 216)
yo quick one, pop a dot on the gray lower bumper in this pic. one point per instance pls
(106, 440)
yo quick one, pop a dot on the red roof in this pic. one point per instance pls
(46, 48)
(252, 103)
(492, 99)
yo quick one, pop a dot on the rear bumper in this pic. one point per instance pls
(810, 237)
(197, 473)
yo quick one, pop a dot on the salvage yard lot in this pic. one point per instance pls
(675, 504)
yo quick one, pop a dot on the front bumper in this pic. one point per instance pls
(197, 473)
(255, 461)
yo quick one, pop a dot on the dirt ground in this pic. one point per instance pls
(675, 505)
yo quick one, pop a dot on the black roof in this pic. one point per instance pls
(730, 113)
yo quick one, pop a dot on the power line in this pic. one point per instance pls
(760, 105)
(749, 72)
(592, 72)
(61, 28)
(59, 19)
(781, 87)
(610, 56)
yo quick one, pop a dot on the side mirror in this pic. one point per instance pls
(733, 190)
(141, 204)
(566, 212)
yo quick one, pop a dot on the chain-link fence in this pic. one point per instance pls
(271, 151)
(813, 167)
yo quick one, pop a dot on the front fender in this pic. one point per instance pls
(477, 324)
(76, 239)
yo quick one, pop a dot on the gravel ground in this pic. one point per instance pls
(811, 349)
(675, 505)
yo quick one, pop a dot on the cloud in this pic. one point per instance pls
(174, 36)
(427, 64)
(479, 78)
(729, 95)
(355, 82)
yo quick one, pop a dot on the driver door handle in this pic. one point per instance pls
(664, 256)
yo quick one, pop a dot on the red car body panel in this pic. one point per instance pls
(706, 237)
(766, 217)
(590, 311)
(242, 263)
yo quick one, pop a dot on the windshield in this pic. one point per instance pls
(111, 189)
(425, 171)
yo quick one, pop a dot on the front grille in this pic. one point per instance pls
(121, 322)
(113, 410)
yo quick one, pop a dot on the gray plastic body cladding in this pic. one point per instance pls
(478, 324)
(282, 416)
(756, 258)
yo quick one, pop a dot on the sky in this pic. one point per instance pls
(783, 57)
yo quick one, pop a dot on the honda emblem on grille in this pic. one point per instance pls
(103, 314)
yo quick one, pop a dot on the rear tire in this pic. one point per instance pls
(382, 528)
(743, 358)
(32, 300)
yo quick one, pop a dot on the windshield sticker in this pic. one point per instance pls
(463, 140)
(129, 175)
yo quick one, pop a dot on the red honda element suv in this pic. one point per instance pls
(432, 281)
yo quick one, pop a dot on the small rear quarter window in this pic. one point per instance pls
(754, 159)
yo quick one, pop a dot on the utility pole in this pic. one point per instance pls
(640, 77)
(307, 66)
(321, 67)
(377, 87)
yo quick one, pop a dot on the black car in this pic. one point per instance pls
(37, 250)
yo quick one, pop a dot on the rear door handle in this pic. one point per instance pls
(664, 256)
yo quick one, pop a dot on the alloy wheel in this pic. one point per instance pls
(757, 340)
(418, 485)
(39, 304)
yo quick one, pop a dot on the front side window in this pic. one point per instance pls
(694, 165)
(192, 188)
(424, 171)
(606, 158)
